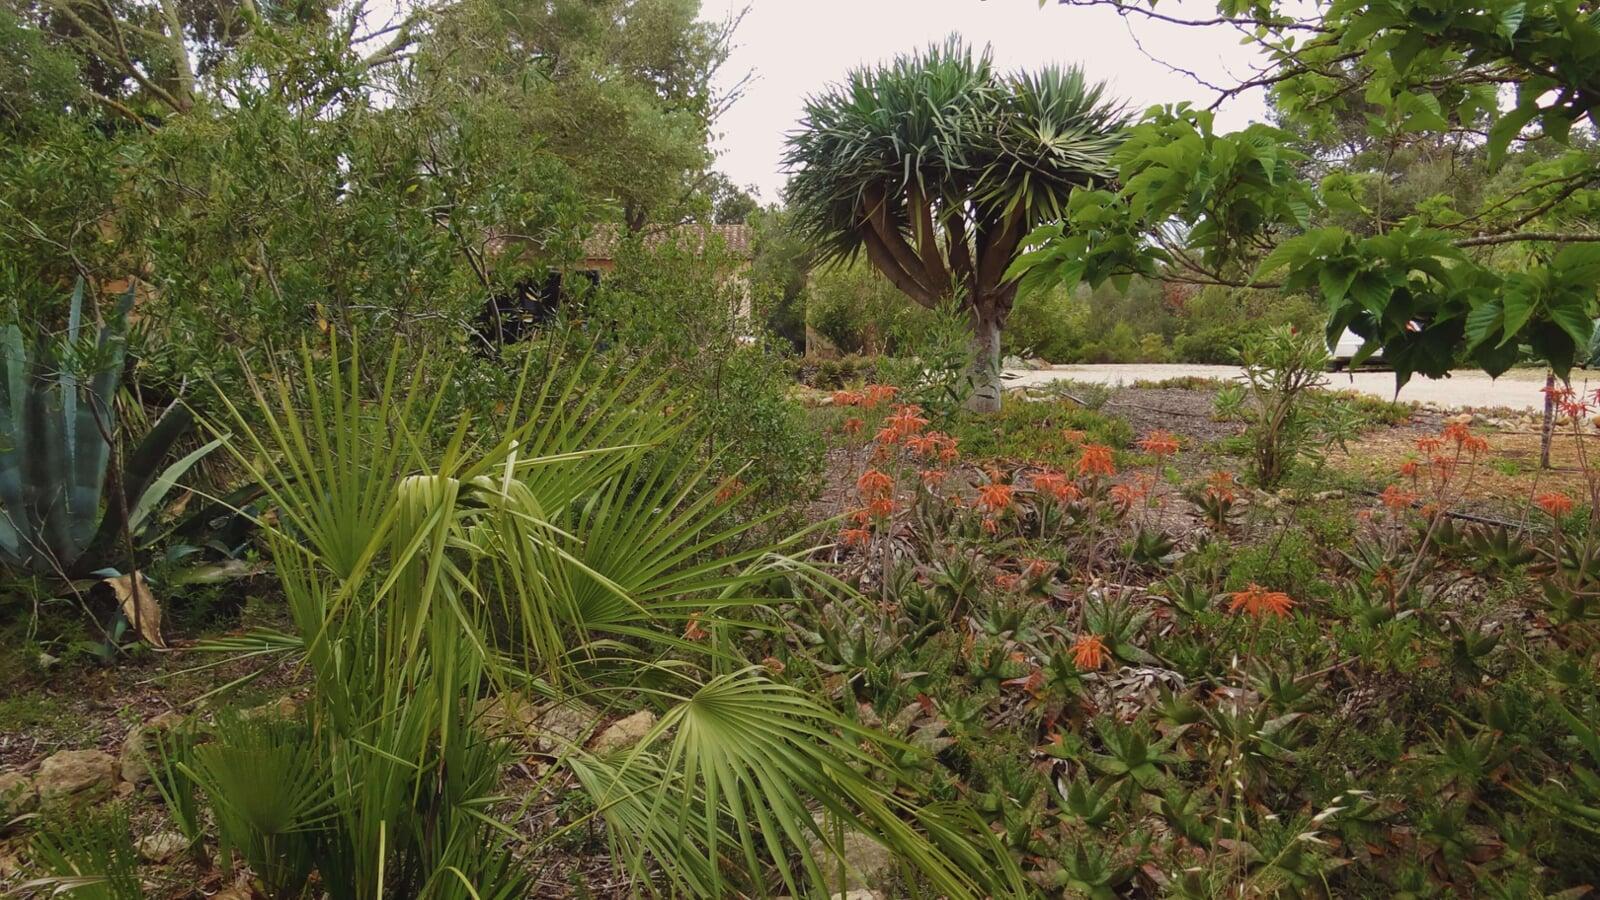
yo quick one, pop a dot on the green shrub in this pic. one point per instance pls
(859, 311)
(674, 311)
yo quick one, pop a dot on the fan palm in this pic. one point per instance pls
(564, 555)
(935, 166)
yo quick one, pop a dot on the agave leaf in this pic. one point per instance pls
(152, 497)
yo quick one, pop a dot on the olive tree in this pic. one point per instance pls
(935, 166)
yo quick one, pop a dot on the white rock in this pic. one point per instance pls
(625, 732)
(17, 796)
(161, 846)
(139, 751)
(76, 776)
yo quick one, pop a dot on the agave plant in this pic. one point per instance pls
(57, 416)
(569, 557)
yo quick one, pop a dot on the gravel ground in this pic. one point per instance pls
(1517, 389)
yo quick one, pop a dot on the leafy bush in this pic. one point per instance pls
(1149, 322)
(677, 311)
(1285, 414)
(859, 311)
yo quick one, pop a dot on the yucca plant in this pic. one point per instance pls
(57, 420)
(568, 556)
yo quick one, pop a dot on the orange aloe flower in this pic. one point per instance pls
(729, 490)
(995, 496)
(1396, 498)
(852, 425)
(1073, 436)
(846, 398)
(855, 537)
(693, 632)
(1089, 653)
(1096, 460)
(874, 483)
(1159, 443)
(1258, 601)
(879, 394)
(1126, 495)
(1557, 505)
(881, 507)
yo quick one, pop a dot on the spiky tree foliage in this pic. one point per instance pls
(935, 166)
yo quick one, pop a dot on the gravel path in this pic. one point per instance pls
(1517, 389)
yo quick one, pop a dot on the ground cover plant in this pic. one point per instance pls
(1157, 683)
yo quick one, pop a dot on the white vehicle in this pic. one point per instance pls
(1346, 348)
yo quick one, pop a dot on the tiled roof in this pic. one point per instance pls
(602, 244)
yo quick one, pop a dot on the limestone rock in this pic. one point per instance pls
(868, 865)
(161, 846)
(552, 726)
(625, 732)
(17, 796)
(139, 751)
(76, 776)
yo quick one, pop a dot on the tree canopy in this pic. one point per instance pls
(936, 165)
(1488, 274)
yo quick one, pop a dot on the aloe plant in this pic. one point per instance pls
(55, 421)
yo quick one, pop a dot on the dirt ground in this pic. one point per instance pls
(1507, 476)
(1518, 389)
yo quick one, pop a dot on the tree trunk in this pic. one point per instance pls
(986, 390)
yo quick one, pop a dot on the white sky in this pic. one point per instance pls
(796, 47)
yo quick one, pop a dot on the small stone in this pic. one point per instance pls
(76, 777)
(161, 846)
(17, 796)
(625, 732)
(139, 751)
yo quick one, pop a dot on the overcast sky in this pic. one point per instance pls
(795, 47)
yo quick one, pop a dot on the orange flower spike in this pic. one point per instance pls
(1073, 436)
(881, 507)
(729, 490)
(1410, 468)
(846, 398)
(1038, 568)
(878, 394)
(1396, 498)
(1159, 443)
(1258, 602)
(855, 537)
(1090, 653)
(874, 483)
(1096, 460)
(931, 478)
(995, 497)
(693, 632)
(852, 426)
(1556, 505)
